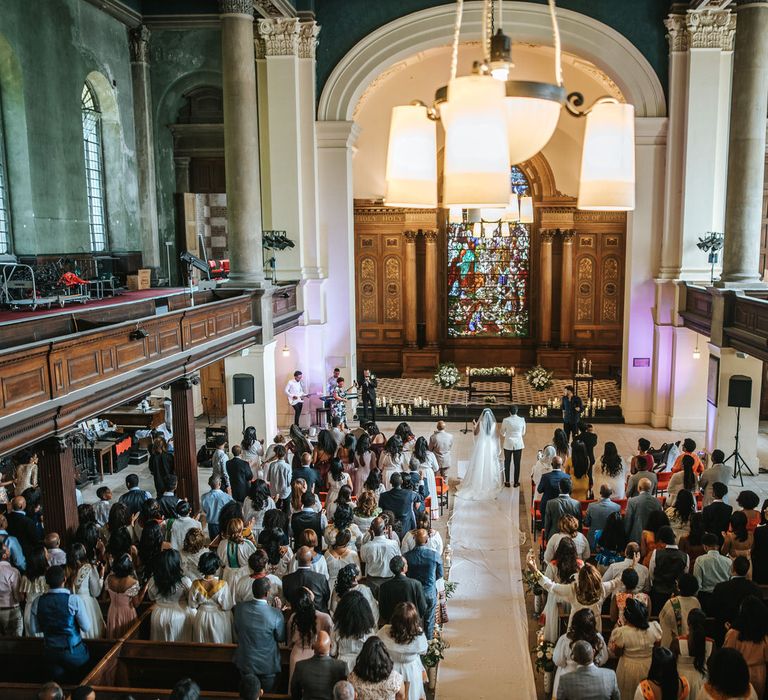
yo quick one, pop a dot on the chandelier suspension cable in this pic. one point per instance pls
(487, 30)
(501, 14)
(558, 49)
(456, 33)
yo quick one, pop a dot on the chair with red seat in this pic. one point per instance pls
(441, 486)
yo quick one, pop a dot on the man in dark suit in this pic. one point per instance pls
(307, 472)
(368, 387)
(400, 589)
(426, 566)
(639, 509)
(314, 678)
(134, 497)
(560, 506)
(21, 526)
(400, 501)
(304, 577)
(727, 596)
(717, 515)
(572, 406)
(239, 473)
(169, 500)
(260, 629)
(549, 486)
(587, 681)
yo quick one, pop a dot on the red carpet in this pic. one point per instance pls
(7, 316)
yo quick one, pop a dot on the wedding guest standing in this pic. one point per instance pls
(441, 444)
(315, 677)
(426, 566)
(633, 642)
(125, 595)
(171, 620)
(572, 406)
(33, 584)
(353, 623)
(304, 625)
(233, 551)
(374, 676)
(212, 599)
(611, 472)
(368, 387)
(364, 461)
(405, 641)
(86, 582)
(512, 430)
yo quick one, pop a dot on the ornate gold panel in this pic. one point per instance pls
(367, 282)
(610, 290)
(392, 289)
(585, 293)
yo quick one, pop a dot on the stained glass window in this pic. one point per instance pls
(488, 277)
(94, 168)
(5, 210)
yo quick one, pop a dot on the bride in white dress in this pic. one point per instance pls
(484, 477)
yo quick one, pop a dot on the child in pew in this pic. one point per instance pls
(212, 599)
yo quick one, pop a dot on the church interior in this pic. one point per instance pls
(325, 242)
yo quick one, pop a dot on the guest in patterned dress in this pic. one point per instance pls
(211, 597)
(125, 595)
(86, 582)
(374, 676)
(339, 401)
(233, 551)
(631, 582)
(33, 585)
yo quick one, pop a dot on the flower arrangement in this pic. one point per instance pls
(543, 653)
(435, 650)
(489, 399)
(538, 378)
(531, 582)
(450, 589)
(488, 371)
(447, 375)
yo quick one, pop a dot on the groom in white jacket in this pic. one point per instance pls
(512, 430)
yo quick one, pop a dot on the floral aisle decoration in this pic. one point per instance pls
(491, 371)
(538, 378)
(447, 375)
(543, 659)
(435, 654)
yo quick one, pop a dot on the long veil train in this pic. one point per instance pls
(483, 479)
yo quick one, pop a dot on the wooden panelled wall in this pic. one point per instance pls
(576, 291)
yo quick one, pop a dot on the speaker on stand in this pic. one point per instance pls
(739, 396)
(243, 392)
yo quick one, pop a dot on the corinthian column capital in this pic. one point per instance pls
(138, 42)
(677, 33)
(277, 37)
(308, 32)
(711, 29)
(236, 7)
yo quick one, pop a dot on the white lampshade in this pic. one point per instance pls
(505, 229)
(607, 180)
(489, 230)
(477, 229)
(526, 210)
(532, 111)
(512, 212)
(411, 159)
(474, 215)
(455, 215)
(476, 164)
(492, 214)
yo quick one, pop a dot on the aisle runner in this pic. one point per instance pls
(489, 657)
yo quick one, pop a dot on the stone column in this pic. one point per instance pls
(56, 474)
(566, 290)
(335, 145)
(181, 169)
(241, 145)
(431, 289)
(184, 442)
(545, 287)
(409, 311)
(145, 147)
(746, 147)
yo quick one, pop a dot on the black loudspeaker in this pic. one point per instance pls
(740, 391)
(242, 385)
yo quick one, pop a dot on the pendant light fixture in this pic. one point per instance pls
(492, 122)
(696, 352)
(526, 210)
(286, 350)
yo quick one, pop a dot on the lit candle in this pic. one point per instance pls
(467, 370)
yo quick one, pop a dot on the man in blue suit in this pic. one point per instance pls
(587, 681)
(549, 486)
(598, 512)
(260, 629)
(425, 565)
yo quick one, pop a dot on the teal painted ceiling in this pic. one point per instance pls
(345, 22)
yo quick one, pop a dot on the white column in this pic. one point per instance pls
(721, 419)
(644, 237)
(335, 142)
(259, 361)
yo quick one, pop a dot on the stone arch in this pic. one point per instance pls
(14, 121)
(433, 27)
(121, 192)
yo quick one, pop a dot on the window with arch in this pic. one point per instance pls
(488, 276)
(94, 168)
(5, 207)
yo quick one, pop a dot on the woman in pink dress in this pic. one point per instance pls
(125, 595)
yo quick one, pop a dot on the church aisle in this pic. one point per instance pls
(488, 628)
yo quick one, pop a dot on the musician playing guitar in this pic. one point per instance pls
(295, 392)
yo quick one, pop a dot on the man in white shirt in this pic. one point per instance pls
(333, 381)
(512, 430)
(279, 476)
(441, 444)
(710, 568)
(176, 528)
(718, 472)
(376, 555)
(295, 392)
(632, 554)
